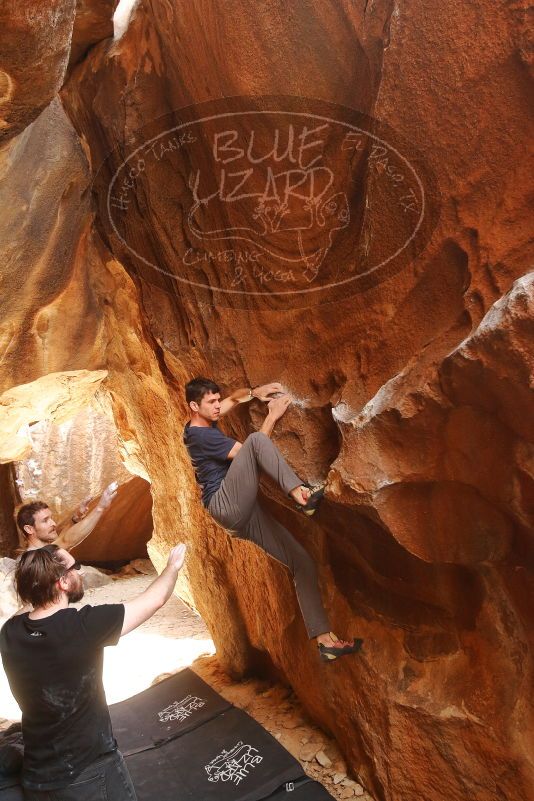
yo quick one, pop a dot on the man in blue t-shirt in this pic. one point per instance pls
(229, 475)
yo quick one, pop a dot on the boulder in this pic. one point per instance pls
(8, 597)
(92, 24)
(35, 50)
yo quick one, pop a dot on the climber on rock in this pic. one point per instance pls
(229, 474)
(38, 527)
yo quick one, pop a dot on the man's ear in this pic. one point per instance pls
(193, 405)
(64, 582)
(29, 530)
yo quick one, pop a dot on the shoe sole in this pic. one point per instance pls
(332, 657)
(310, 512)
(328, 658)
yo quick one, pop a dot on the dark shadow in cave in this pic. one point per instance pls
(379, 578)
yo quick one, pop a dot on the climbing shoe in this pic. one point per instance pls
(310, 507)
(329, 653)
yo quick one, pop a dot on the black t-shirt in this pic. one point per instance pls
(54, 668)
(208, 448)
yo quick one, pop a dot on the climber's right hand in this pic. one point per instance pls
(279, 406)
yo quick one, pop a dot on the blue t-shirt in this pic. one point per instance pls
(208, 448)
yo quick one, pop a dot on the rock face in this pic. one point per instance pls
(93, 23)
(9, 538)
(71, 462)
(36, 40)
(411, 380)
(123, 532)
(56, 396)
(75, 461)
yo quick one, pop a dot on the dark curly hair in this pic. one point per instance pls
(198, 387)
(26, 514)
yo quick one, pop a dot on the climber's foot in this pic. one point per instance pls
(301, 494)
(331, 648)
(311, 503)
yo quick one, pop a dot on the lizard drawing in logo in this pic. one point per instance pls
(297, 227)
(233, 765)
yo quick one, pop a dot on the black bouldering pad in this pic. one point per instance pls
(304, 790)
(167, 710)
(229, 758)
(184, 742)
(10, 791)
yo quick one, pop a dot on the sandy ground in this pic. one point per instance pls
(174, 638)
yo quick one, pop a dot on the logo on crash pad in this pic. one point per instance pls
(233, 765)
(181, 710)
(291, 198)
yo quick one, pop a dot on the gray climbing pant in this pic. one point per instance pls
(235, 507)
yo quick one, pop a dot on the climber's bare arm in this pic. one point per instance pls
(73, 535)
(277, 408)
(245, 394)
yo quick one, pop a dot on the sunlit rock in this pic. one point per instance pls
(56, 397)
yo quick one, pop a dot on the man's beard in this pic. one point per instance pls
(75, 595)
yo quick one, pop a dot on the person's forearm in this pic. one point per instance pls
(74, 534)
(238, 396)
(139, 610)
(241, 395)
(268, 425)
(161, 589)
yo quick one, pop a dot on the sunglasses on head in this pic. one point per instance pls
(74, 566)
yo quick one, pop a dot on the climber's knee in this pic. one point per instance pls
(256, 438)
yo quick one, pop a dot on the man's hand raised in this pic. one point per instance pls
(176, 557)
(263, 392)
(72, 536)
(107, 496)
(279, 406)
(81, 511)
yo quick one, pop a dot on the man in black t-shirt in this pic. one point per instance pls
(229, 475)
(53, 659)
